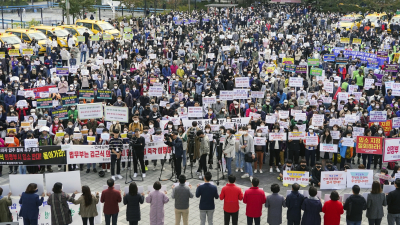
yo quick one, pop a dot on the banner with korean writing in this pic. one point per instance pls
(209, 100)
(156, 91)
(301, 69)
(386, 125)
(345, 40)
(104, 94)
(62, 71)
(362, 178)
(369, 145)
(43, 155)
(90, 111)
(313, 62)
(328, 148)
(70, 100)
(391, 150)
(329, 58)
(44, 103)
(240, 93)
(13, 52)
(311, 140)
(115, 113)
(377, 116)
(259, 141)
(290, 68)
(242, 82)
(297, 135)
(226, 95)
(61, 114)
(277, 136)
(318, 120)
(291, 177)
(316, 72)
(257, 94)
(396, 122)
(333, 180)
(195, 112)
(295, 82)
(382, 54)
(87, 94)
(392, 68)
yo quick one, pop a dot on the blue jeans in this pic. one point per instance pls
(48, 50)
(114, 218)
(22, 169)
(239, 159)
(93, 165)
(184, 158)
(229, 165)
(352, 222)
(83, 54)
(248, 168)
(392, 218)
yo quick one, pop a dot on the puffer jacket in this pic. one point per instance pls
(204, 145)
(229, 146)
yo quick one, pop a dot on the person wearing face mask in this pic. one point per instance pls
(136, 124)
(377, 157)
(346, 152)
(46, 139)
(210, 114)
(326, 138)
(9, 100)
(275, 147)
(316, 175)
(294, 148)
(119, 102)
(155, 116)
(310, 149)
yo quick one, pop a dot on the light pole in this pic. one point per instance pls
(67, 8)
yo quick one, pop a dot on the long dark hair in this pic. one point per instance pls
(327, 138)
(376, 188)
(133, 189)
(31, 188)
(87, 195)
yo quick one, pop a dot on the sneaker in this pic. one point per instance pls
(15, 172)
(59, 168)
(163, 168)
(255, 171)
(154, 168)
(237, 170)
(145, 168)
(261, 171)
(144, 175)
(241, 170)
(119, 176)
(135, 175)
(201, 177)
(251, 178)
(94, 170)
(198, 173)
(246, 175)
(270, 170)
(113, 177)
(277, 170)
(88, 171)
(122, 169)
(10, 172)
(108, 170)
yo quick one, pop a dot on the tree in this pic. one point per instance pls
(77, 8)
(132, 4)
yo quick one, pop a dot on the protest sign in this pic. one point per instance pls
(255, 116)
(277, 136)
(395, 89)
(386, 125)
(19, 182)
(291, 177)
(259, 141)
(300, 116)
(301, 69)
(316, 72)
(209, 100)
(226, 95)
(349, 118)
(104, 94)
(391, 150)
(13, 52)
(313, 62)
(43, 155)
(115, 113)
(295, 82)
(329, 58)
(396, 122)
(70, 100)
(377, 116)
(155, 91)
(44, 103)
(257, 94)
(73, 184)
(195, 112)
(62, 114)
(349, 142)
(362, 178)
(86, 94)
(30, 143)
(335, 135)
(328, 148)
(270, 119)
(90, 111)
(369, 145)
(392, 68)
(283, 114)
(311, 140)
(62, 71)
(318, 120)
(333, 180)
(242, 82)
(297, 135)
(368, 83)
(240, 93)
(290, 68)
(345, 40)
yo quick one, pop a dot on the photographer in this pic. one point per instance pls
(138, 146)
(177, 149)
(229, 149)
(115, 146)
(204, 149)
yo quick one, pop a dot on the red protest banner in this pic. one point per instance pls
(369, 145)
(40, 89)
(387, 126)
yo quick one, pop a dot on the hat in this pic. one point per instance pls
(327, 111)
(286, 101)
(148, 104)
(311, 127)
(44, 128)
(101, 124)
(76, 129)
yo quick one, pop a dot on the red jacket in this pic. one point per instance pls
(110, 197)
(231, 194)
(255, 200)
(332, 210)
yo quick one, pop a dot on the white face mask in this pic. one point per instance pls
(259, 134)
(380, 132)
(151, 125)
(169, 126)
(66, 139)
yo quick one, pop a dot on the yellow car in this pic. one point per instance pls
(55, 32)
(28, 35)
(99, 26)
(395, 19)
(76, 30)
(383, 17)
(10, 39)
(348, 21)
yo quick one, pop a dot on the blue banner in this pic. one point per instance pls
(329, 58)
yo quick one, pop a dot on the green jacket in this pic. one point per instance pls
(5, 202)
(267, 108)
(345, 85)
(74, 113)
(359, 80)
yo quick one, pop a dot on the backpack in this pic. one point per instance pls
(391, 165)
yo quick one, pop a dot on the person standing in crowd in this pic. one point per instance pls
(332, 209)
(138, 155)
(111, 197)
(231, 194)
(393, 203)
(204, 151)
(254, 198)
(132, 200)
(87, 203)
(375, 202)
(207, 192)
(275, 203)
(354, 206)
(293, 202)
(5, 202)
(116, 145)
(181, 194)
(157, 200)
(177, 145)
(30, 203)
(60, 212)
(229, 149)
(312, 207)
(246, 144)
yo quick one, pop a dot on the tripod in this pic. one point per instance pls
(130, 150)
(216, 146)
(191, 153)
(172, 168)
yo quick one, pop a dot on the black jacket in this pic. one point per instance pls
(354, 206)
(316, 175)
(139, 145)
(133, 206)
(393, 201)
(293, 203)
(177, 143)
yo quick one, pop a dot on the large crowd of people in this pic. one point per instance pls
(302, 60)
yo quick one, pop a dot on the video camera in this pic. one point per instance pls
(216, 134)
(191, 133)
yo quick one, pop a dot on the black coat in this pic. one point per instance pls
(133, 207)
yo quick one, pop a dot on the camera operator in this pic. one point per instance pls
(177, 151)
(229, 149)
(138, 146)
(204, 149)
(115, 146)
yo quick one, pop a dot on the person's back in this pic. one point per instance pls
(254, 198)
(332, 209)
(181, 194)
(5, 202)
(393, 201)
(354, 205)
(110, 197)
(207, 192)
(274, 203)
(231, 194)
(293, 203)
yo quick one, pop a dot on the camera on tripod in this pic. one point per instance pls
(167, 136)
(192, 133)
(216, 134)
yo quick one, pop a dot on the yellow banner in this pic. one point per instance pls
(288, 61)
(357, 41)
(27, 51)
(345, 40)
(2, 55)
(91, 138)
(13, 52)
